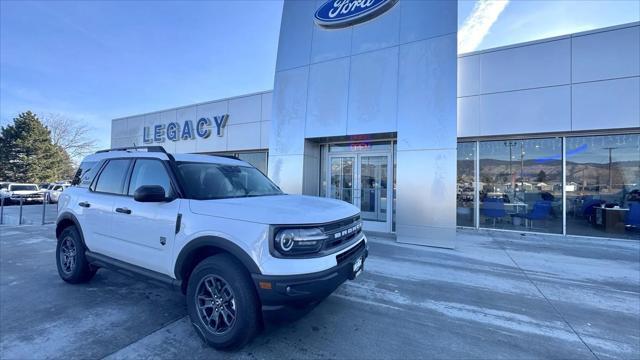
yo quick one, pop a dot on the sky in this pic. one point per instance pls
(93, 61)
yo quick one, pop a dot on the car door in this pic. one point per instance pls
(145, 231)
(97, 205)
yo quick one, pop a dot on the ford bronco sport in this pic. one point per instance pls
(213, 227)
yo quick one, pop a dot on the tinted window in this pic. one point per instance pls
(23, 187)
(84, 175)
(150, 172)
(112, 177)
(205, 181)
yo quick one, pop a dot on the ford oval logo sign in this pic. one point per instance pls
(343, 13)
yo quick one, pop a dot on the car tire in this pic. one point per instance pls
(222, 303)
(73, 266)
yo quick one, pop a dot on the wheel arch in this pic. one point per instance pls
(64, 221)
(203, 247)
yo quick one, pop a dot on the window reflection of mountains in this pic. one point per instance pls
(621, 171)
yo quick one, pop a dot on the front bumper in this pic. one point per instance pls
(277, 291)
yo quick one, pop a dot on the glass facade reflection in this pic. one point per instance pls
(520, 185)
(465, 208)
(603, 185)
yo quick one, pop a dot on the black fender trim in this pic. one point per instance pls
(220, 243)
(67, 216)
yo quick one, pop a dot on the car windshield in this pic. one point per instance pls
(23, 188)
(205, 181)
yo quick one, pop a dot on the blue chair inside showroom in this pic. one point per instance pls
(632, 221)
(541, 211)
(494, 208)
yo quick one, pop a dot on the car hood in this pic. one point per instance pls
(25, 192)
(276, 209)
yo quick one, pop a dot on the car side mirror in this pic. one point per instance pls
(150, 193)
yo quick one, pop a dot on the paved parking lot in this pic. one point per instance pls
(498, 295)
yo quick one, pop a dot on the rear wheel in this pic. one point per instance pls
(222, 303)
(72, 264)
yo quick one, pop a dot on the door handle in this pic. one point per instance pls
(123, 210)
(84, 204)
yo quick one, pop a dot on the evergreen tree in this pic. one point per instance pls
(27, 153)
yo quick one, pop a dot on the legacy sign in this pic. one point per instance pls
(343, 13)
(187, 130)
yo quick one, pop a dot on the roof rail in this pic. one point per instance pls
(228, 156)
(148, 148)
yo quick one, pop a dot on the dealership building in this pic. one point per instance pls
(373, 105)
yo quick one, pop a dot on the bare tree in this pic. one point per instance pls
(70, 135)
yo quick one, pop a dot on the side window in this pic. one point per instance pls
(112, 178)
(150, 172)
(84, 175)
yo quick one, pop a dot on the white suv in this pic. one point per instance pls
(213, 227)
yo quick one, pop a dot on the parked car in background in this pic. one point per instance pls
(54, 191)
(30, 193)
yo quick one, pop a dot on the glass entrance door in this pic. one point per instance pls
(362, 180)
(373, 187)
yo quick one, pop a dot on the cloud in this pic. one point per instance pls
(477, 25)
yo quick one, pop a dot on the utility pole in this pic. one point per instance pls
(610, 180)
(511, 144)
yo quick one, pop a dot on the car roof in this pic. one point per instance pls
(214, 159)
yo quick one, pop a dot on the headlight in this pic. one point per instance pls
(299, 241)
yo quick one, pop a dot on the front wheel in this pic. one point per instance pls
(72, 264)
(222, 303)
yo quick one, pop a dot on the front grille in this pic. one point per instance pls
(341, 232)
(340, 223)
(347, 254)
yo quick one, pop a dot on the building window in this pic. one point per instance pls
(465, 208)
(521, 185)
(603, 185)
(256, 158)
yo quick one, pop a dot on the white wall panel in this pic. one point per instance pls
(267, 99)
(119, 128)
(378, 34)
(243, 136)
(296, 29)
(526, 111)
(330, 44)
(265, 129)
(427, 94)
(429, 171)
(606, 104)
(286, 171)
(289, 108)
(373, 88)
(469, 79)
(421, 20)
(135, 126)
(327, 101)
(244, 109)
(606, 55)
(538, 65)
(469, 116)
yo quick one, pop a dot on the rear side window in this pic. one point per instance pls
(111, 179)
(150, 172)
(84, 175)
